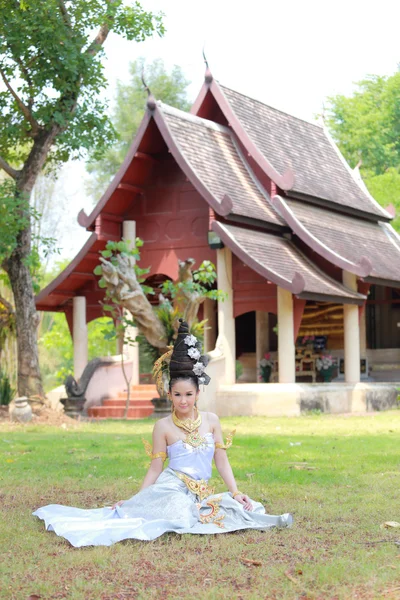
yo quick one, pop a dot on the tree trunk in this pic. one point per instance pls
(26, 319)
(16, 266)
(122, 284)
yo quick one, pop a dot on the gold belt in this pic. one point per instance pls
(199, 487)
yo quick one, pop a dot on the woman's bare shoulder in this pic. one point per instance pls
(162, 424)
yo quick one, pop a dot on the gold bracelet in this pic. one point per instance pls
(236, 493)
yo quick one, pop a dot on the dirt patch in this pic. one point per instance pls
(45, 416)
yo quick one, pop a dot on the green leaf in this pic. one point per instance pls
(98, 270)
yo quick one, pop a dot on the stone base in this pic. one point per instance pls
(277, 399)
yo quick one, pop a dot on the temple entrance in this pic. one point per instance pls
(254, 335)
(382, 325)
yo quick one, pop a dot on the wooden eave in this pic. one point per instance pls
(362, 269)
(297, 285)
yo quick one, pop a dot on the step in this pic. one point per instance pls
(386, 367)
(107, 412)
(145, 386)
(137, 395)
(118, 402)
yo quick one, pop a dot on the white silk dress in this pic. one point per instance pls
(179, 501)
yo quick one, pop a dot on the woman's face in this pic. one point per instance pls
(184, 395)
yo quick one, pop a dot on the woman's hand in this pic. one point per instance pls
(245, 500)
(119, 503)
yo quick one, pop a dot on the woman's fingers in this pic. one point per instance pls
(119, 503)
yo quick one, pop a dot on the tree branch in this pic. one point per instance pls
(101, 36)
(8, 168)
(23, 108)
(64, 13)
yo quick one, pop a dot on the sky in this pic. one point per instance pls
(290, 54)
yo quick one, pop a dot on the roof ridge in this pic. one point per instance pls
(271, 107)
(166, 108)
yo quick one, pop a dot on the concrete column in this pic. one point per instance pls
(351, 334)
(262, 335)
(211, 326)
(226, 320)
(79, 336)
(129, 235)
(286, 346)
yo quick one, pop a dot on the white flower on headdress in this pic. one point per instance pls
(194, 353)
(190, 340)
(201, 379)
(198, 368)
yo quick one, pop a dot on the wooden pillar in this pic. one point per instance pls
(363, 331)
(351, 334)
(211, 326)
(226, 319)
(286, 345)
(129, 235)
(262, 335)
(79, 336)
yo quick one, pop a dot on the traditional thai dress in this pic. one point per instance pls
(180, 501)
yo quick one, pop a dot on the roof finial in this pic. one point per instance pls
(151, 103)
(146, 87)
(208, 75)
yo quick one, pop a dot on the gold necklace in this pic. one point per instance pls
(191, 426)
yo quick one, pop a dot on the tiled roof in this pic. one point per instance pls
(353, 238)
(291, 143)
(214, 156)
(280, 257)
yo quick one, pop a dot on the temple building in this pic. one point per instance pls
(304, 252)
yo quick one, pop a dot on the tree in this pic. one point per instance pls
(51, 111)
(366, 127)
(130, 103)
(124, 283)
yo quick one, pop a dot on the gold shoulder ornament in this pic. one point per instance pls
(228, 441)
(149, 451)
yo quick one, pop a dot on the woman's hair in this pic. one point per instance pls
(183, 361)
(193, 379)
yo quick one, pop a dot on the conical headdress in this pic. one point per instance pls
(184, 359)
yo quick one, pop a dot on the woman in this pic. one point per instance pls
(177, 498)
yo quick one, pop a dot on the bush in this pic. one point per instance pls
(239, 369)
(7, 393)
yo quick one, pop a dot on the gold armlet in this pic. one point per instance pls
(149, 451)
(228, 441)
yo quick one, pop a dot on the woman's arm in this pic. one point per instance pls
(157, 463)
(224, 468)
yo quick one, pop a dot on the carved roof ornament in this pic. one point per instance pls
(151, 101)
(208, 75)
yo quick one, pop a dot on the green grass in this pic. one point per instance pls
(335, 550)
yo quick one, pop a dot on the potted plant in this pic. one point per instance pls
(325, 365)
(265, 368)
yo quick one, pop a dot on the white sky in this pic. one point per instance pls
(291, 54)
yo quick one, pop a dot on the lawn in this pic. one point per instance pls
(338, 475)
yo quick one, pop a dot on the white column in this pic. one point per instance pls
(211, 326)
(129, 235)
(262, 335)
(79, 336)
(226, 320)
(286, 346)
(351, 334)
